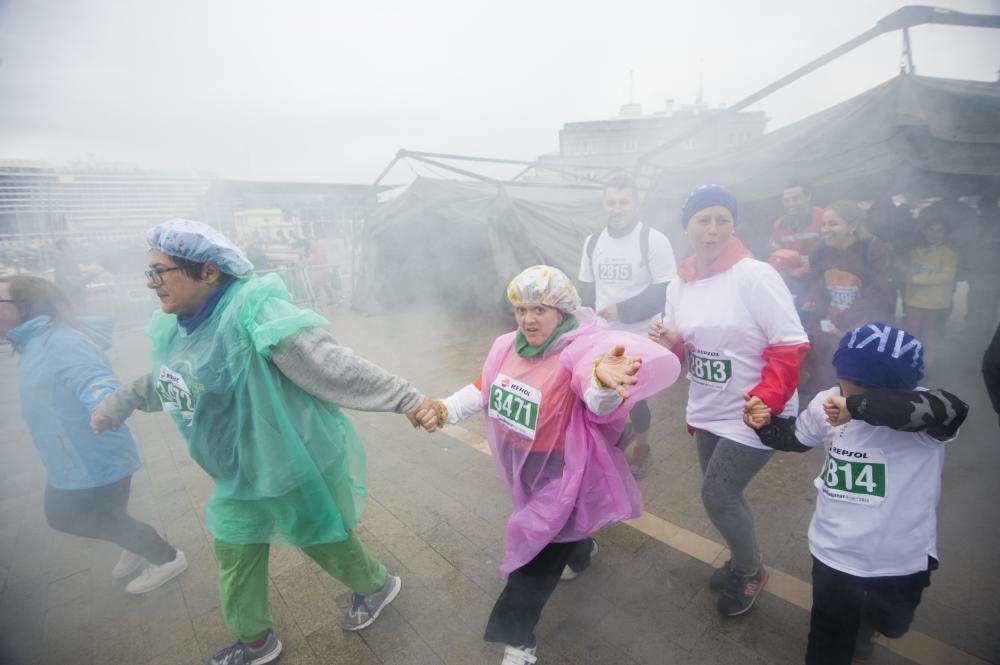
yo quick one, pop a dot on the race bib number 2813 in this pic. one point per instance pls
(710, 370)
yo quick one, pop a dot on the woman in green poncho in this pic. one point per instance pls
(251, 382)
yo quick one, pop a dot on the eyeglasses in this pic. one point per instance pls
(155, 275)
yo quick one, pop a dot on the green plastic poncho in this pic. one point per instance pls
(288, 468)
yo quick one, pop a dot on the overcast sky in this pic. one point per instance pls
(328, 91)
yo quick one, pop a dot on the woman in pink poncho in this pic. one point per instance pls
(556, 394)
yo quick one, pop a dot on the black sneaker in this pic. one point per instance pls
(721, 576)
(739, 595)
(864, 647)
(579, 564)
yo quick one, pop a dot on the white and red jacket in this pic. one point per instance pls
(740, 334)
(803, 239)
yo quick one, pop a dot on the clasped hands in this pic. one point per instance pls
(614, 370)
(757, 414)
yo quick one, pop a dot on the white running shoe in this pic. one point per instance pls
(127, 564)
(519, 656)
(153, 577)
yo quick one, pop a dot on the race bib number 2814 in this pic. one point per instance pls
(854, 476)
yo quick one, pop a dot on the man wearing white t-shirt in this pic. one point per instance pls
(624, 274)
(873, 536)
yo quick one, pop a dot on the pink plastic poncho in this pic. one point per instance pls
(560, 461)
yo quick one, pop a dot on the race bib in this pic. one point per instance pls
(709, 369)
(854, 476)
(614, 272)
(174, 393)
(843, 287)
(515, 404)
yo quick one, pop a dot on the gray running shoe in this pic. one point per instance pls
(365, 609)
(241, 653)
(721, 576)
(741, 592)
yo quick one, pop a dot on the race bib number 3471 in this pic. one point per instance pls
(515, 404)
(854, 476)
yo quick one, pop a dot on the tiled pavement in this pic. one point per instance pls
(436, 518)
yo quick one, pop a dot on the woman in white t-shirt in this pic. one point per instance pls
(733, 319)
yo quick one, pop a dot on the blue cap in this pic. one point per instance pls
(707, 196)
(880, 355)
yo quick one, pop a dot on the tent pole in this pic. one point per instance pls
(901, 19)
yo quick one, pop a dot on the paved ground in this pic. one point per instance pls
(436, 518)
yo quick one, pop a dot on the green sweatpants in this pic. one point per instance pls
(243, 579)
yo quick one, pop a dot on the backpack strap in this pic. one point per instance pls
(591, 243)
(644, 245)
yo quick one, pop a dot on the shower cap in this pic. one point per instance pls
(201, 243)
(545, 285)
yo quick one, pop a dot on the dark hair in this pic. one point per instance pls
(621, 181)
(792, 183)
(849, 211)
(34, 296)
(193, 269)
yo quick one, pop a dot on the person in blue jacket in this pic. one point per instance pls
(62, 375)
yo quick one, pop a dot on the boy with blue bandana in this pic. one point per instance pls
(873, 534)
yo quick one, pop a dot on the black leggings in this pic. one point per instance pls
(102, 513)
(847, 609)
(520, 605)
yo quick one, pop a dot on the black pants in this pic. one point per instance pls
(102, 513)
(519, 606)
(640, 417)
(847, 609)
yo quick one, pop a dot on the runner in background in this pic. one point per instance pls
(62, 375)
(556, 393)
(873, 534)
(930, 285)
(253, 382)
(798, 229)
(733, 319)
(624, 274)
(850, 284)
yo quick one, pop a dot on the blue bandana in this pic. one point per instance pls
(191, 323)
(881, 356)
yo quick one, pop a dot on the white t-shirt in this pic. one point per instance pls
(727, 320)
(617, 270)
(878, 494)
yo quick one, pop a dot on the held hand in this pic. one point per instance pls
(413, 416)
(663, 335)
(609, 313)
(756, 413)
(835, 407)
(99, 422)
(430, 418)
(616, 370)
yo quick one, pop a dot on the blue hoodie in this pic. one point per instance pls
(62, 375)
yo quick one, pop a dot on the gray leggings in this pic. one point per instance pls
(727, 467)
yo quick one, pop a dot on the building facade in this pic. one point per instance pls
(617, 142)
